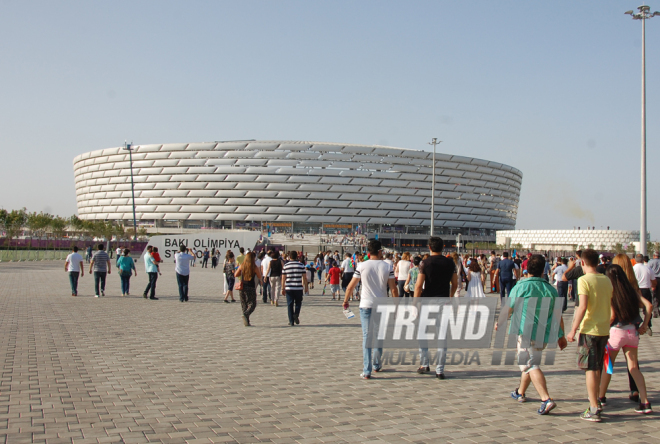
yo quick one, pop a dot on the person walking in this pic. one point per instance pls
(74, 266)
(247, 271)
(626, 326)
(401, 271)
(592, 317)
(294, 282)
(100, 265)
(125, 268)
(266, 295)
(214, 259)
(375, 276)
(229, 267)
(152, 270)
(645, 279)
(562, 285)
(274, 273)
(241, 256)
(333, 277)
(182, 270)
(205, 258)
(318, 265)
(505, 272)
(475, 286)
(654, 265)
(494, 262)
(89, 253)
(437, 278)
(529, 351)
(347, 271)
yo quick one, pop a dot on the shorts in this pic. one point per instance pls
(529, 358)
(591, 352)
(334, 288)
(623, 337)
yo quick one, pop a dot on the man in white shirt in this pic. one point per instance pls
(182, 269)
(347, 271)
(645, 278)
(73, 265)
(266, 284)
(376, 277)
(562, 286)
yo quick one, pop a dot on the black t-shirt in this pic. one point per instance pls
(437, 271)
(574, 274)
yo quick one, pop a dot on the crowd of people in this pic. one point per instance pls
(615, 298)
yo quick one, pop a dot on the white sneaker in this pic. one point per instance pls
(96, 295)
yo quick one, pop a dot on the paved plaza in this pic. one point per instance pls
(130, 370)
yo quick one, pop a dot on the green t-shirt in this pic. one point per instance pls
(534, 287)
(125, 263)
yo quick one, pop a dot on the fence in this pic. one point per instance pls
(32, 255)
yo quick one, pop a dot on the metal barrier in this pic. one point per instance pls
(32, 255)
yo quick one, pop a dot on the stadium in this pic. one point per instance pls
(291, 186)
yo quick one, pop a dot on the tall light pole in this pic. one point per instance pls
(129, 147)
(643, 14)
(433, 142)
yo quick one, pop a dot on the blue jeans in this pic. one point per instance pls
(125, 282)
(73, 280)
(153, 277)
(365, 317)
(182, 280)
(562, 292)
(293, 304)
(99, 278)
(441, 358)
(505, 287)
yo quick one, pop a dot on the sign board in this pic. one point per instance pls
(222, 241)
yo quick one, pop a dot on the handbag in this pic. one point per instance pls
(238, 285)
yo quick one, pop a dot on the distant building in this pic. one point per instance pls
(567, 239)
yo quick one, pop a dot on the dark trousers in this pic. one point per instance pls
(294, 300)
(73, 280)
(153, 277)
(400, 284)
(266, 290)
(646, 294)
(505, 287)
(182, 280)
(99, 278)
(346, 279)
(125, 282)
(205, 262)
(562, 291)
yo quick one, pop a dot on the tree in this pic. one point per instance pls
(590, 246)
(650, 248)
(77, 224)
(142, 233)
(13, 223)
(119, 232)
(58, 226)
(618, 248)
(630, 248)
(603, 247)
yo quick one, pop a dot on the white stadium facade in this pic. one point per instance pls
(298, 186)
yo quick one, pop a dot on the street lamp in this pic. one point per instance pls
(433, 142)
(643, 14)
(129, 147)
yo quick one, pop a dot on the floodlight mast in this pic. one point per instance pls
(129, 147)
(433, 142)
(643, 14)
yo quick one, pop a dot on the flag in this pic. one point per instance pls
(608, 360)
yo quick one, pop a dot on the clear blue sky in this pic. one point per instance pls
(551, 88)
